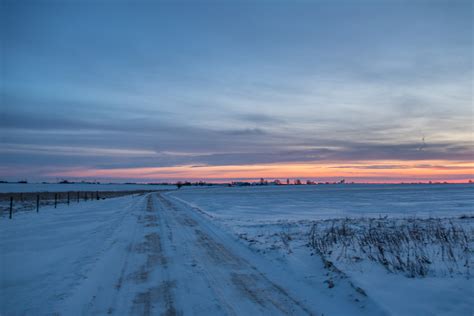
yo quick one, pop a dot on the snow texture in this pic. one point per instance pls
(297, 250)
(151, 255)
(409, 247)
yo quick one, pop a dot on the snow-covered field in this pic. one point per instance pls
(273, 203)
(319, 250)
(58, 187)
(149, 255)
(410, 247)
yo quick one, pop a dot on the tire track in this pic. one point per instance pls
(146, 288)
(229, 269)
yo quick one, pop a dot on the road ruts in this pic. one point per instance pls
(233, 285)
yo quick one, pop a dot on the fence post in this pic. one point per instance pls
(11, 207)
(77, 196)
(97, 193)
(68, 198)
(55, 200)
(37, 203)
(85, 196)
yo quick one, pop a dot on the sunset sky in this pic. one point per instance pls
(369, 91)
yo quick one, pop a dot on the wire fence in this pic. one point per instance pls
(11, 203)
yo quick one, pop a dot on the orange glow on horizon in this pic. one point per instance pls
(375, 171)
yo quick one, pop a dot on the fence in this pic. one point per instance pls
(14, 202)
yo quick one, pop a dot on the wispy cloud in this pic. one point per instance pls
(231, 86)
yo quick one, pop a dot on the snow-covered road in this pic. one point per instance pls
(152, 255)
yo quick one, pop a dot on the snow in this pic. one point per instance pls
(61, 187)
(275, 222)
(215, 251)
(273, 203)
(416, 296)
(46, 256)
(150, 255)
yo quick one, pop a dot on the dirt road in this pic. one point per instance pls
(186, 268)
(159, 256)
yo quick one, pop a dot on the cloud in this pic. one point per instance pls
(259, 118)
(246, 132)
(155, 141)
(229, 88)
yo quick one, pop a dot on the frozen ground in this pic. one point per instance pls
(273, 203)
(58, 187)
(410, 247)
(150, 255)
(236, 251)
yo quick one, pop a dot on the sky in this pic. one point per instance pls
(369, 91)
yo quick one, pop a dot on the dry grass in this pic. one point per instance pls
(415, 247)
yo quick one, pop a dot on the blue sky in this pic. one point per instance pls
(106, 84)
